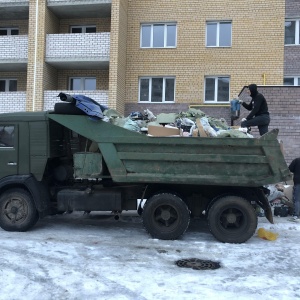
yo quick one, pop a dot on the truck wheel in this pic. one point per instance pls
(165, 216)
(232, 219)
(17, 210)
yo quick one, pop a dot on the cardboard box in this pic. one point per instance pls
(201, 129)
(163, 131)
(195, 133)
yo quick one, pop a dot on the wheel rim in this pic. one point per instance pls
(165, 216)
(15, 210)
(232, 219)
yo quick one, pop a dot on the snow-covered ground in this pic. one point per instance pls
(80, 256)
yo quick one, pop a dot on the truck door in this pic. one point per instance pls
(8, 149)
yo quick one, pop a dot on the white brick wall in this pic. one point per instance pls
(12, 101)
(71, 46)
(50, 97)
(14, 48)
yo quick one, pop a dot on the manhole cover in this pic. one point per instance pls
(198, 264)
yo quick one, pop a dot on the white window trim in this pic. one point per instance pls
(296, 79)
(82, 79)
(7, 84)
(9, 29)
(215, 101)
(218, 34)
(297, 29)
(150, 88)
(165, 35)
(82, 27)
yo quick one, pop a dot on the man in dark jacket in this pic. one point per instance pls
(295, 169)
(259, 115)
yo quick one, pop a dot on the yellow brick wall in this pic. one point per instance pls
(20, 76)
(50, 73)
(21, 24)
(102, 25)
(118, 59)
(36, 54)
(102, 77)
(257, 45)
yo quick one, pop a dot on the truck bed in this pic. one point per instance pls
(134, 157)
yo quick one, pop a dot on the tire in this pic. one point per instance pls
(165, 216)
(67, 109)
(232, 219)
(17, 210)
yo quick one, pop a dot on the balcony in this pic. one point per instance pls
(65, 9)
(14, 9)
(50, 97)
(12, 101)
(78, 51)
(14, 53)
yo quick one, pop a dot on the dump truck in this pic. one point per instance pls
(51, 162)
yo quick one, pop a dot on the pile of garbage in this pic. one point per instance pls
(281, 199)
(193, 122)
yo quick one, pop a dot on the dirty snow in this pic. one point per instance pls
(93, 256)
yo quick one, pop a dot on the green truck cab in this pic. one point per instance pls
(54, 162)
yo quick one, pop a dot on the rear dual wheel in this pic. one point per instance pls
(165, 216)
(232, 219)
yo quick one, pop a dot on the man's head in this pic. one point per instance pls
(252, 89)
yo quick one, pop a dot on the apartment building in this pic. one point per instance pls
(132, 54)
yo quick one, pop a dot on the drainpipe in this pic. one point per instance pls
(35, 51)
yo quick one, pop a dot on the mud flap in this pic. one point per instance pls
(264, 203)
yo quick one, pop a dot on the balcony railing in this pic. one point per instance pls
(16, 101)
(14, 52)
(12, 101)
(50, 97)
(71, 51)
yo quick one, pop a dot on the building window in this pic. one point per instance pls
(9, 31)
(83, 29)
(292, 32)
(7, 135)
(82, 83)
(294, 80)
(157, 89)
(217, 89)
(8, 85)
(218, 34)
(158, 35)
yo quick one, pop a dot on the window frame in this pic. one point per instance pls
(9, 29)
(218, 34)
(150, 89)
(297, 32)
(296, 80)
(165, 35)
(82, 82)
(82, 27)
(215, 101)
(7, 81)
